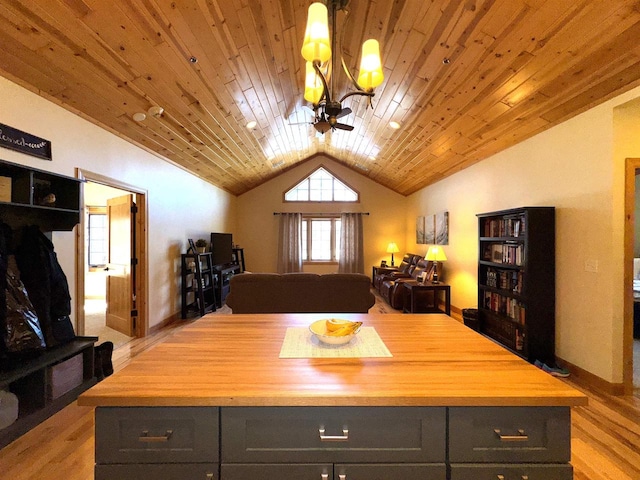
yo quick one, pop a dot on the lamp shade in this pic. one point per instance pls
(435, 254)
(313, 87)
(316, 44)
(370, 75)
(392, 248)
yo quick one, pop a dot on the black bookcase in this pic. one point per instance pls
(516, 280)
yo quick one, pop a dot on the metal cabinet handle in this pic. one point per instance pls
(209, 476)
(334, 438)
(520, 437)
(144, 437)
(342, 476)
(324, 476)
(524, 477)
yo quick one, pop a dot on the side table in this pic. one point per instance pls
(412, 293)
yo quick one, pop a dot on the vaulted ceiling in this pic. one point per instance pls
(464, 78)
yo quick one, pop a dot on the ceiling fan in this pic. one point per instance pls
(326, 118)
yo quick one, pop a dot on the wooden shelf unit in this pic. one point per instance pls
(32, 381)
(198, 284)
(516, 280)
(22, 198)
(46, 381)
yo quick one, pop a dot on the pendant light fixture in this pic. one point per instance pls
(319, 50)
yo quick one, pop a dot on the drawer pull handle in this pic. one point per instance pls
(524, 477)
(520, 437)
(342, 476)
(334, 438)
(324, 476)
(146, 438)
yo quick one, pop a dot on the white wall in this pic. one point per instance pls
(576, 168)
(257, 228)
(180, 205)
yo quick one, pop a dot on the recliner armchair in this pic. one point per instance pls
(405, 268)
(393, 291)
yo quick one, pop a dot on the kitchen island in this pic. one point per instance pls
(215, 400)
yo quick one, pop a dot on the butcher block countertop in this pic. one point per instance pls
(233, 360)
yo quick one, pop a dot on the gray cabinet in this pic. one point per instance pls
(530, 471)
(333, 443)
(172, 442)
(195, 471)
(333, 434)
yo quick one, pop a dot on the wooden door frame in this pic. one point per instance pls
(141, 249)
(632, 165)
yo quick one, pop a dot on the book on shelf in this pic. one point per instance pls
(504, 226)
(507, 253)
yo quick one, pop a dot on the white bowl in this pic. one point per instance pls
(319, 329)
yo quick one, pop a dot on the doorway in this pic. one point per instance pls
(631, 340)
(100, 288)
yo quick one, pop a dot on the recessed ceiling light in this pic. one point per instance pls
(252, 124)
(394, 125)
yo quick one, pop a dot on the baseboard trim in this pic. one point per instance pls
(164, 323)
(589, 380)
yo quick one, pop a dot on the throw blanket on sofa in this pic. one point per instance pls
(300, 293)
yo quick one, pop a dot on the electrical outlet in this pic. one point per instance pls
(591, 266)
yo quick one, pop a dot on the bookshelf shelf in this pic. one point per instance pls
(516, 280)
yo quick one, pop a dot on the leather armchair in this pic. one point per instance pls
(405, 268)
(393, 291)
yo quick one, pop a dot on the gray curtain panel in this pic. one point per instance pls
(290, 243)
(351, 244)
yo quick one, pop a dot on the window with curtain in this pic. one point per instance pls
(321, 239)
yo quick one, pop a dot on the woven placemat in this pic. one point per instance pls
(299, 342)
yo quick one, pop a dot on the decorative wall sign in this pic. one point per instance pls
(420, 231)
(430, 229)
(24, 142)
(442, 228)
(433, 229)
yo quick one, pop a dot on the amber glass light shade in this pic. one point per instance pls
(370, 75)
(313, 87)
(316, 44)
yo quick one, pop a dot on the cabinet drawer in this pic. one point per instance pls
(276, 471)
(511, 472)
(384, 471)
(157, 434)
(333, 434)
(192, 471)
(510, 434)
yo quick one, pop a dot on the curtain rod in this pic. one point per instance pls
(321, 213)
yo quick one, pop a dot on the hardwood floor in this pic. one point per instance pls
(605, 434)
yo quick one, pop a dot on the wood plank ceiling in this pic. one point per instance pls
(514, 68)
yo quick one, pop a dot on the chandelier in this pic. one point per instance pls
(319, 50)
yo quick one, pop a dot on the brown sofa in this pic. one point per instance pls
(300, 293)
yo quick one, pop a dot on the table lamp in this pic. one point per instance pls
(392, 248)
(435, 254)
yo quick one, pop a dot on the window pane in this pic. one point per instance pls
(321, 240)
(98, 241)
(305, 252)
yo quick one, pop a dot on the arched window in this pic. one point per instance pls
(321, 186)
